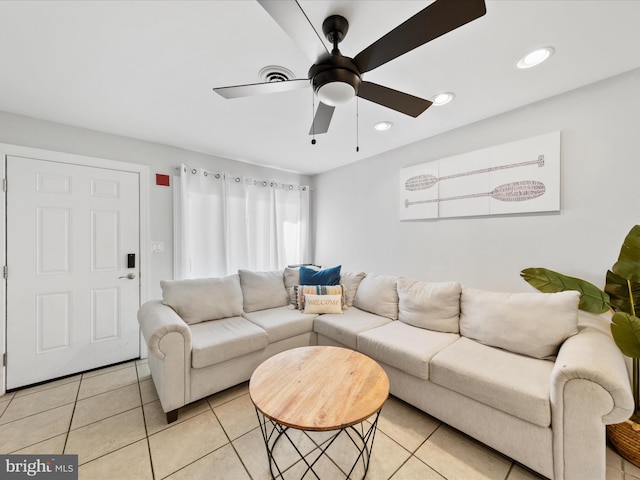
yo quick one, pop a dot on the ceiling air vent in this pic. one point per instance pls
(274, 73)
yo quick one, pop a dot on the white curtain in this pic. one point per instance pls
(227, 222)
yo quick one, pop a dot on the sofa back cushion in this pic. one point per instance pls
(378, 294)
(292, 278)
(533, 324)
(201, 299)
(350, 282)
(434, 306)
(262, 290)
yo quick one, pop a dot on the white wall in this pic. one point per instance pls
(356, 207)
(20, 130)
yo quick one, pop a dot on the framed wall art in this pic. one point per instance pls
(517, 177)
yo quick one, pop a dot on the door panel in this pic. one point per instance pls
(70, 306)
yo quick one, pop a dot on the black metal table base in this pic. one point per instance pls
(273, 432)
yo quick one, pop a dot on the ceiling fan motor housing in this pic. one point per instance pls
(336, 68)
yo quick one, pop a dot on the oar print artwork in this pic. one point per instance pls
(508, 192)
(423, 182)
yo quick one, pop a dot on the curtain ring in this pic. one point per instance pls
(237, 179)
(194, 171)
(264, 183)
(205, 173)
(217, 175)
(304, 189)
(290, 187)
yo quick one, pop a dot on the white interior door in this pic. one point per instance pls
(72, 296)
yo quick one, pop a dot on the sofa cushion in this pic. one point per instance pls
(322, 303)
(378, 294)
(515, 384)
(198, 300)
(262, 290)
(302, 290)
(405, 347)
(435, 306)
(344, 328)
(533, 324)
(350, 282)
(326, 276)
(292, 278)
(220, 340)
(282, 322)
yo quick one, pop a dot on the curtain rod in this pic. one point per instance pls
(238, 179)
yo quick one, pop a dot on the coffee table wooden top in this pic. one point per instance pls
(319, 388)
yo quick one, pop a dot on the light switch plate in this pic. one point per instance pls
(157, 247)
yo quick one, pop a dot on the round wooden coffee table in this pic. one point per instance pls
(319, 389)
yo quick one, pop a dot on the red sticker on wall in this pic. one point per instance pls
(162, 180)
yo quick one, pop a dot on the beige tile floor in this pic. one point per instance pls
(112, 420)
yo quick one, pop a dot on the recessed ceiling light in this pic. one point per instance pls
(382, 126)
(443, 98)
(536, 57)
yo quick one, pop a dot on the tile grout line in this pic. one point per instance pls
(144, 421)
(73, 412)
(102, 419)
(197, 459)
(229, 438)
(38, 413)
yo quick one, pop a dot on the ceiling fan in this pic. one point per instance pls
(335, 78)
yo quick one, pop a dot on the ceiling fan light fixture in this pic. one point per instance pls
(443, 98)
(336, 93)
(535, 57)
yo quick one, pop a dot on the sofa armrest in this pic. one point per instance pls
(589, 389)
(169, 340)
(157, 320)
(592, 355)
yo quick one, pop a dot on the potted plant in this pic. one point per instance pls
(621, 295)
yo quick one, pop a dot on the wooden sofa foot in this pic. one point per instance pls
(172, 416)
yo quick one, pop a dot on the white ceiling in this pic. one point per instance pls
(146, 69)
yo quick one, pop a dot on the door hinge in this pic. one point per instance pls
(4, 184)
(4, 359)
(5, 271)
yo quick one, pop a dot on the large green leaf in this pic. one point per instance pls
(628, 264)
(592, 299)
(622, 293)
(625, 329)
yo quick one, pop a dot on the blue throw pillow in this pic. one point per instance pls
(328, 276)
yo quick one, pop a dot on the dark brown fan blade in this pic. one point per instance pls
(296, 24)
(440, 17)
(322, 119)
(252, 89)
(393, 99)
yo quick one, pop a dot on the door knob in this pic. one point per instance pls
(130, 276)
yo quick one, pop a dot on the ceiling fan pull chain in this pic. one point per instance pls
(357, 125)
(313, 118)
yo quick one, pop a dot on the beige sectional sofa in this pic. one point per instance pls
(524, 373)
